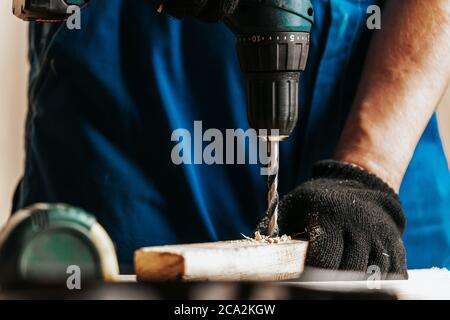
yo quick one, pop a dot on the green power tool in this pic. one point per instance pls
(45, 244)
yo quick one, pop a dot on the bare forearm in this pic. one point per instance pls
(406, 73)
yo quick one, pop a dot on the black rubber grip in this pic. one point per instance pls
(272, 63)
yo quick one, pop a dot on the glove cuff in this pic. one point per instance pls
(332, 169)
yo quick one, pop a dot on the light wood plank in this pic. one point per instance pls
(241, 260)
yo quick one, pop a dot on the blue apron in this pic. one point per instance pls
(104, 101)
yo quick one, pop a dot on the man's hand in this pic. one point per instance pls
(204, 10)
(352, 219)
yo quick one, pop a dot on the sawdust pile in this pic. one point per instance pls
(266, 239)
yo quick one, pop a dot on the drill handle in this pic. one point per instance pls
(44, 10)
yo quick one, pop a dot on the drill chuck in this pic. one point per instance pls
(272, 63)
(272, 42)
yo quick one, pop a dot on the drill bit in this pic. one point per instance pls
(272, 184)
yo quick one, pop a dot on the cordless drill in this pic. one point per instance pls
(272, 45)
(272, 41)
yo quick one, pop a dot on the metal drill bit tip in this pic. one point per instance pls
(272, 183)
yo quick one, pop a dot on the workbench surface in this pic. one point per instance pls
(422, 284)
(428, 284)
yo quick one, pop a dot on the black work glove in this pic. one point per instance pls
(352, 219)
(205, 10)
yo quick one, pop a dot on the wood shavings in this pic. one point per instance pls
(266, 239)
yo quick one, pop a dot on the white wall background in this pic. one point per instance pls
(13, 81)
(444, 122)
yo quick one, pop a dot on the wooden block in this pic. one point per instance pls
(241, 260)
